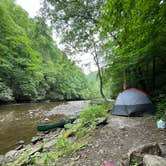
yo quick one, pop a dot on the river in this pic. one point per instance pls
(19, 121)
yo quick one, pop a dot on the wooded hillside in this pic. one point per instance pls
(32, 67)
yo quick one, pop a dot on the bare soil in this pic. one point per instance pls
(113, 140)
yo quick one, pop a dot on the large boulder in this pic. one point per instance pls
(163, 149)
(153, 160)
(137, 154)
(11, 155)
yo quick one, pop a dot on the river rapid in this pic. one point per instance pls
(19, 121)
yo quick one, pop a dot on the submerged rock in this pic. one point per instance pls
(21, 142)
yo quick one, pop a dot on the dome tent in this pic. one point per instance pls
(133, 102)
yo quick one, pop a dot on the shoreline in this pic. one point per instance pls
(24, 118)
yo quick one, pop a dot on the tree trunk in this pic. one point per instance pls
(154, 74)
(124, 80)
(141, 78)
(99, 71)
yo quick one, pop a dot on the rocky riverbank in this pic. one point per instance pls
(19, 121)
(39, 143)
(121, 141)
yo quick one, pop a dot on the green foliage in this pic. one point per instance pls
(82, 128)
(47, 158)
(65, 147)
(161, 107)
(31, 64)
(134, 35)
(108, 105)
(6, 93)
(90, 114)
(134, 164)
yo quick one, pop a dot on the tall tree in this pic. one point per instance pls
(76, 22)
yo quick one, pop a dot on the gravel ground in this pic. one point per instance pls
(113, 140)
(69, 108)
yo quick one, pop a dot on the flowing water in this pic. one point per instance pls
(19, 121)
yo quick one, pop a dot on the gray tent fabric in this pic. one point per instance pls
(133, 102)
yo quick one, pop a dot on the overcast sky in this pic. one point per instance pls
(32, 7)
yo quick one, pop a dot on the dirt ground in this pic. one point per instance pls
(113, 140)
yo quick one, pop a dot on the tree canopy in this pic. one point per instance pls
(134, 33)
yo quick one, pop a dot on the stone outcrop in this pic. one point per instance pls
(153, 160)
(101, 121)
(137, 154)
(36, 139)
(11, 155)
(143, 154)
(163, 149)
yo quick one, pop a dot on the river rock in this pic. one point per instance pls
(20, 147)
(35, 139)
(101, 121)
(46, 132)
(21, 142)
(35, 149)
(137, 154)
(153, 160)
(49, 144)
(46, 119)
(11, 155)
(163, 149)
(2, 159)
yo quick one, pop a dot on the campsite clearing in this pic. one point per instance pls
(114, 140)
